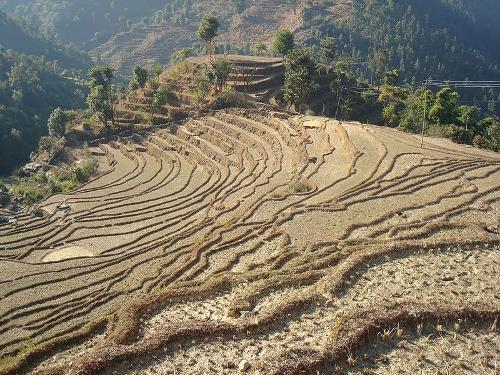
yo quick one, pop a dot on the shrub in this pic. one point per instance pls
(301, 187)
(85, 170)
(66, 180)
(88, 124)
(47, 143)
(229, 99)
(29, 194)
(457, 134)
(200, 87)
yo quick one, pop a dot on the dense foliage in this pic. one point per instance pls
(30, 88)
(299, 74)
(439, 39)
(441, 114)
(86, 23)
(20, 38)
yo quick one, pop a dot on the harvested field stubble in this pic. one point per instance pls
(242, 238)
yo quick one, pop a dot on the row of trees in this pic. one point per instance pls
(439, 114)
(436, 113)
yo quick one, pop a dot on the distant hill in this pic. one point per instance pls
(17, 37)
(85, 23)
(443, 39)
(36, 76)
(439, 38)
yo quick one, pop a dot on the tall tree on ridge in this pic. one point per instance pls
(208, 30)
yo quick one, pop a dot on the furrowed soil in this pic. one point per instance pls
(265, 243)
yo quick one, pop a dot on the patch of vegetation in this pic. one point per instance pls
(30, 88)
(36, 187)
(299, 75)
(301, 187)
(28, 192)
(230, 99)
(284, 42)
(433, 39)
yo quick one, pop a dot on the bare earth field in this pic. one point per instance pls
(257, 242)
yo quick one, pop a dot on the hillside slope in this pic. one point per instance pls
(432, 38)
(81, 22)
(157, 42)
(441, 39)
(16, 37)
(36, 76)
(245, 236)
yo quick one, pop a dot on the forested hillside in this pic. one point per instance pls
(423, 39)
(85, 23)
(36, 76)
(19, 38)
(444, 39)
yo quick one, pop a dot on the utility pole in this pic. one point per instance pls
(425, 115)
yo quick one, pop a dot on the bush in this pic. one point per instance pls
(66, 180)
(85, 170)
(200, 87)
(457, 134)
(229, 99)
(29, 194)
(88, 124)
(47, 143)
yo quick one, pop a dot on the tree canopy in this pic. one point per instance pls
(208, 30)
(284, 42)
(299, 76)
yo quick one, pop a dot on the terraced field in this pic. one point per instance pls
(259, 242)
(156, 43)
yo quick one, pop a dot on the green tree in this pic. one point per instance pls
(469, 117)
(102, 76)
(100, 104)
(284, 42)
(412, 117)
(158, 94)
(220, 69)
(208, 30)
(57, 123)
(327, 54)
(101, 99)
(392, 98)
(444, 110)
(299, 74)
(139, 78)
(493, 134)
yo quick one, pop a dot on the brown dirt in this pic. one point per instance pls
(252, 235)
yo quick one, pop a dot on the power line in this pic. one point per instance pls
(459, 84)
